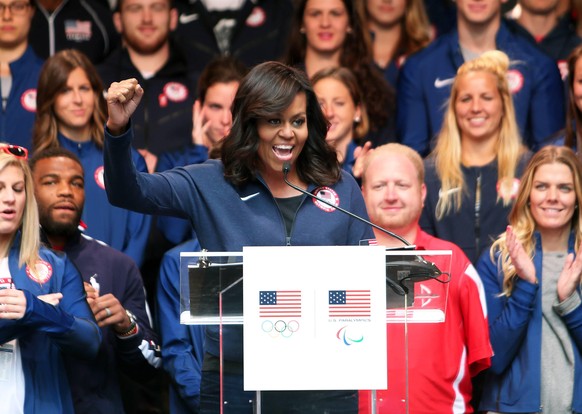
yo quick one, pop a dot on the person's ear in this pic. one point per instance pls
(117, 22)
(173, 19)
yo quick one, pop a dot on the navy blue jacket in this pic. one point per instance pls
(227, 217)
(17, 120)
(95, 383)
(46, 333)
(259, 33)
(425, 80)
(475, 225)
(163, 121)
(558, 43)
(84, 25)
(513, 383)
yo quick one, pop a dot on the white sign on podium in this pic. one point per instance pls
(314, 318)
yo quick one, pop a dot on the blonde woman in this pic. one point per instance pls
(43, 310)
(532, 287)
(472, 175)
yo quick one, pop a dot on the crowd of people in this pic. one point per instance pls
(133, 130)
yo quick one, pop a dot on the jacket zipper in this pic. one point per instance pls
(478, 213)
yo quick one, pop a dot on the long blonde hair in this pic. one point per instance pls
(448, 151)
(30, 239)
(520, 217)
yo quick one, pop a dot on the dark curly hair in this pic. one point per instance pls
(269, 88)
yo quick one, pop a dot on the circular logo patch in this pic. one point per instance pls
(327, 194)
(257, 17)
(99, 177)
(175, 91)
(28, 100)
(508, 190)
(515, 80)
(44, 271)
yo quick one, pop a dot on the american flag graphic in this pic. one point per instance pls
(349, 303)
(279, 303)
(77, 30)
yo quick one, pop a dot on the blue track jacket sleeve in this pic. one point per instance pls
(182, 345)
(508, 316)
(131, 192)
(546, 112)
(70, 324)
(138, 225)
(412, 120)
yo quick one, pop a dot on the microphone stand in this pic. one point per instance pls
(417, 269)
(287, 168)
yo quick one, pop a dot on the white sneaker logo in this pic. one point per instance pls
(441, 83)
(247, 198)
(187, 18)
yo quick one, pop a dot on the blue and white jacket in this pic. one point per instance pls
(124, 230)
(424, 86)
(513, 383)
(227, 217)
(47, 332)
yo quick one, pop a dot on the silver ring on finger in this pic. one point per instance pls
(108, 312)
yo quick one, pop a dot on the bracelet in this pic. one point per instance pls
(133, 329)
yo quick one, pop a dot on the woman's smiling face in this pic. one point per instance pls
(282, 136)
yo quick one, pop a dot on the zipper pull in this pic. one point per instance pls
(287, 241)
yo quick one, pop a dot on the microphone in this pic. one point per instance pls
(400, 269)
(287, 168)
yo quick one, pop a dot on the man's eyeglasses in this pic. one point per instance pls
(17, 8)
(16, 150)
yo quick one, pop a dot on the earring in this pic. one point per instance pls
(302, 30)
(357, 119)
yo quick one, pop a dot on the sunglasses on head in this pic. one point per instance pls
(16, 150)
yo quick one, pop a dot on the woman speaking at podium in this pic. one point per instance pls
(243, 200)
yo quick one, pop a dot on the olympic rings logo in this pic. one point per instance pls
(280, 328)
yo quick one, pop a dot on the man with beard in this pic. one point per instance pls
(164, 120)
(112, 282)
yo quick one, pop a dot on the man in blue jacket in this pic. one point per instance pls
(112, 281)
(425, 80)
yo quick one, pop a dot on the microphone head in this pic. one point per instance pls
(286, 167)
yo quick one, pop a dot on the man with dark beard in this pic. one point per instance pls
(112, 282)
(164, 120)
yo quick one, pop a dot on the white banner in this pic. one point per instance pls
(314, 318)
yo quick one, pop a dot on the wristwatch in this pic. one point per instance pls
(132, 330)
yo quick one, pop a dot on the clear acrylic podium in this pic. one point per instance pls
(412, 292)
